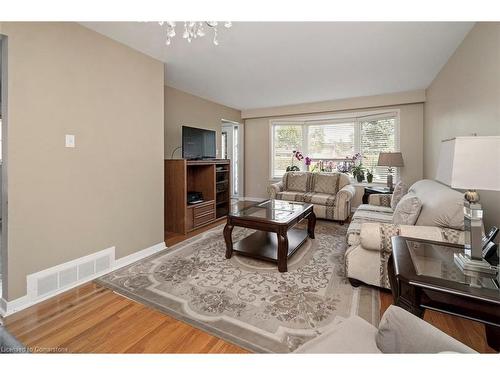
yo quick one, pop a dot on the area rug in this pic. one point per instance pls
(246, 301)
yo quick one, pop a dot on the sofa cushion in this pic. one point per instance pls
(367, 213)
(399, 192)
(294, 196)
(327, 183)
(401, 332)
(353, 335)
(320, 198)
(441, 205)
(407, 210)
(297, 181)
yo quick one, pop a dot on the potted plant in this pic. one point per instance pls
(369, 175)
(358, 171)
(295, 155)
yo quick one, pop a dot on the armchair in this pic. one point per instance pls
(398, 332)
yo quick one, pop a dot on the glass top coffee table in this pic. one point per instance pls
(423, 275)
(276, 239)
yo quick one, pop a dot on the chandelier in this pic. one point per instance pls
(193, 30)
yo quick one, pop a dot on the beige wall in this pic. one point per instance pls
(182, 108)
(108, 191)
(257, 147)
(463, 99)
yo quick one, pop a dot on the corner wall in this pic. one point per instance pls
(65, 203)
(464, 98)
(182, 108)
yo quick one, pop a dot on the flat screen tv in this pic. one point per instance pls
(198, 143)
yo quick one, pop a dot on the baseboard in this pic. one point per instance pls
(125, 261)
(10, 307)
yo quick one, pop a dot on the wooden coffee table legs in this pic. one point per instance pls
(228, 231)
(311, 224)
(263, 244)
(282, 249)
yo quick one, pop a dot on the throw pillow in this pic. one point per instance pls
(327, 183)
(297, 181)
(407, 210)
(400, 190)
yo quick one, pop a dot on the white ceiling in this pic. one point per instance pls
(265, 64)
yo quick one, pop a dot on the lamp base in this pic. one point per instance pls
(468, 265)
(389, 182)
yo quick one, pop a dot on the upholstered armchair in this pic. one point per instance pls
(398, 332)
(367, 261)
(329, 193)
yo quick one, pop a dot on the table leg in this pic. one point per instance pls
(228, 230)
(311, 224)
(493, 336)
(282, 251)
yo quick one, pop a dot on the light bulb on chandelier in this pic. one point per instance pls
(193, 30)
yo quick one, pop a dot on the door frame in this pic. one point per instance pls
(239, 163)
(4, 237)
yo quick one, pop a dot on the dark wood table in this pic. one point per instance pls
(423, 275)
(374, 190)
(275, 238)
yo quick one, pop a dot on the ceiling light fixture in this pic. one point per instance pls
(193, 30)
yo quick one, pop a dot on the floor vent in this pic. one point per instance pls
(67, 275)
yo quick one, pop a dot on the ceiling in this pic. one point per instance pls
(265, 64)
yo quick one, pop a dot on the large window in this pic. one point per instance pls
(334, 140)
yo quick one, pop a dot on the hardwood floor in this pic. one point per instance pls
(94, 319)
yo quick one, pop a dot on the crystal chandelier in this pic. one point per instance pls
(193, 30)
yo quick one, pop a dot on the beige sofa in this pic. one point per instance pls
(330, 193)
(398, 332)
(371, 229)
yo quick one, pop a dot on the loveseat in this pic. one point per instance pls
(371, 228)
(398, 332)
(329, 193)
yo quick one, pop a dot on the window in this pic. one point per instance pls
(335, 139)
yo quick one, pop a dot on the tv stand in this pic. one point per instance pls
(211, 177)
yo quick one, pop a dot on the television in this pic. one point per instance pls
(198, 143)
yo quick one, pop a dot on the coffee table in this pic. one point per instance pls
(423, 275)
(276, 239)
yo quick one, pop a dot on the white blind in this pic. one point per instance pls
(336, 139)
(286, 139)
(377, 135)
(330, 140)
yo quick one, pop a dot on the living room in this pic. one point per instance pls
(251, 187)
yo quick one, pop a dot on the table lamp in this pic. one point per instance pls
(471, 163)
(391, 160)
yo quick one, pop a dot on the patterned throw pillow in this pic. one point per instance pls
(407, 210)
(399, 191)
(327, 183)
(296, 181)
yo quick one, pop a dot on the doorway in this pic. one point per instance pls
(232, 149)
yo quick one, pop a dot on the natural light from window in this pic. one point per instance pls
(334, 140)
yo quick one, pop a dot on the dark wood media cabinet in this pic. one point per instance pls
(211, 178)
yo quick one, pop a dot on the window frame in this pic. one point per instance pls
(356, 117)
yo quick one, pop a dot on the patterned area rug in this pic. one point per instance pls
(247, 301)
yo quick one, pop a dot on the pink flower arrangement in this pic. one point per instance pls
(308, 161)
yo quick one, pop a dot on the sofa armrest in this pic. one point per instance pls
(402, 332)
(345, 194)
(377, 236)
(273, 189)
(383, 200)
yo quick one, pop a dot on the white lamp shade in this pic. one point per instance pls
(470, 163)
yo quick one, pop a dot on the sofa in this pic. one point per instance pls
(371, 229)
(329, 193)
(398, 332)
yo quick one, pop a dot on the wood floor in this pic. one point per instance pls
(94, 319)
